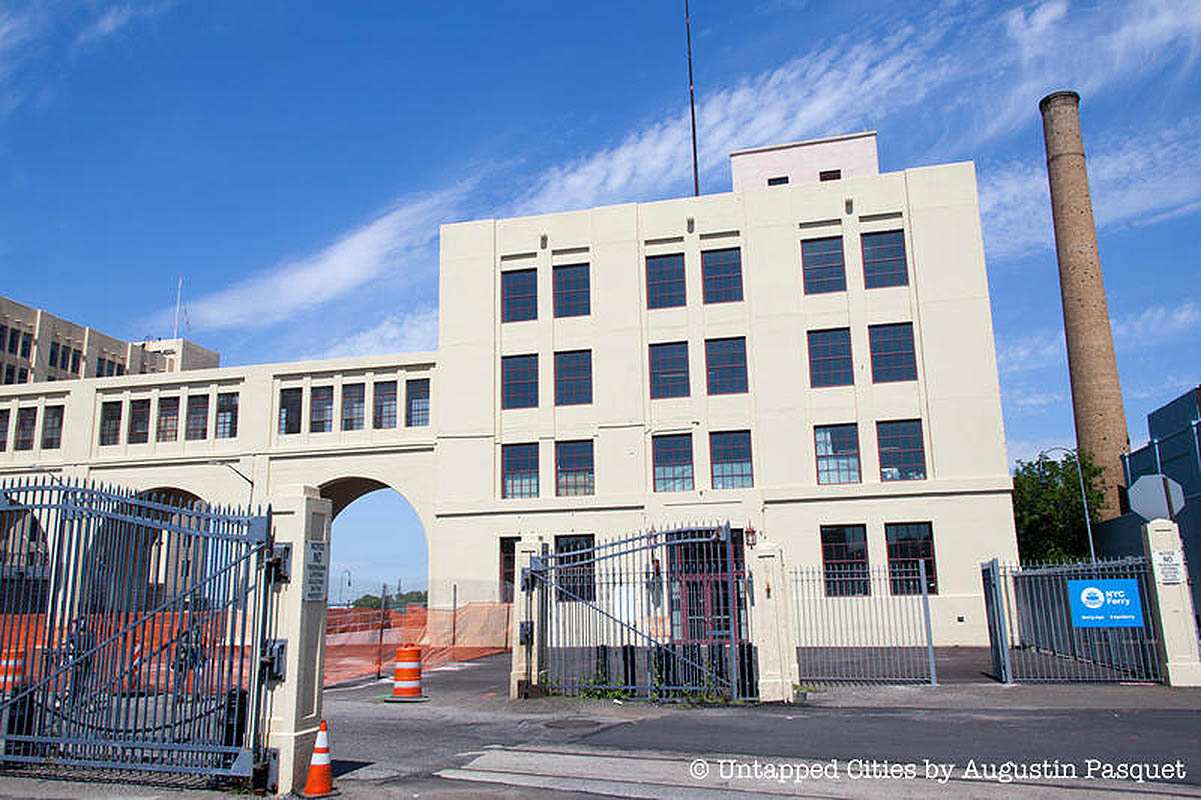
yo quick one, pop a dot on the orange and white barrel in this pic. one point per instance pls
(12, 669)
(406, 677)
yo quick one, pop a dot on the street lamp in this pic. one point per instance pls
(216, 462)
(1088, 525)
(345, 586)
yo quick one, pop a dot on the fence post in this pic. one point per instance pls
(773, 629)
(1172, 603)
(921, 568)
(523, 671)
(299, 514)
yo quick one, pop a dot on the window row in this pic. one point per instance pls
(107, 367)
(830, 364)
(65, 358)
(19, 343)
(519, 293)
(15, 374)
(25, 431)
(137, 415)
(845, 567)
(354, 406)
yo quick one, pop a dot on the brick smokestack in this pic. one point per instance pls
(1096, 392)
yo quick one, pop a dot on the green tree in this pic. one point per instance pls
(1047, 511)
(367, 601)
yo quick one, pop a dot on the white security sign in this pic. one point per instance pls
(316, 570)
(1156, 497)
(1168, 566)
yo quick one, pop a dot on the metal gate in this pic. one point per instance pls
(659, 616)
(1033, 634)
(133, 631)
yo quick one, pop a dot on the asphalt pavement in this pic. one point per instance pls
(964, 740)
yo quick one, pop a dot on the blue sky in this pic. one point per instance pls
(293, 160)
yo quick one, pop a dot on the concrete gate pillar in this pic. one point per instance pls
(1173, 602)
(523, 673)
(774, 627)
(293, 711)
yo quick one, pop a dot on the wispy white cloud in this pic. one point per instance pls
(1138, 177)
(1028, 449)
(1035, 399)
(1157, 324)
(404, 332)
(1168, 388)
(116, 17)
(399, 242)
(1132, 332)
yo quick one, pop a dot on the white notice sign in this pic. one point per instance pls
(1169, 566)
(316, 570)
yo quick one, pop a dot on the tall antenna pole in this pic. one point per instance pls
(696, 180)
(178, 295)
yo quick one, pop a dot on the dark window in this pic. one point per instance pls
(902, 456)
(26, 344)
(196, 426)
(417, 402)
(673, 462)
(508, 562)
(830, 358)
(14, 341)
(110, 422)
(573, 378)
(76, 357)
(3, 336)
(354, 412)
(384, 399)
(321, 409)
(829, 175)
(99, 367)
(167, 429)
(823, 269)
(572, 297)
(52, 428)
(227, 415)
(884, 259)
(120, 369)
(909, 544)
(892, 352)
(10, 373)
(110, 369)
(3, 428)
(844, 560)
(519, 470)
(64, 358)
(22, 375)
(725, 365)
(139, 421)
(519, 295)
(730, 455)
(837, 449)
(669, 370)
(27, 423)
(777, 181)
(574, 471)
(665, 281)
(54, 354)
(577, 562)
(289, 410)
(519, 381)
(722, 272)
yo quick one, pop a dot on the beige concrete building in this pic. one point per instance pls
(813, 359)
(36, 346)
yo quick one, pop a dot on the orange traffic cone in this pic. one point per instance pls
(320, 782)
(406, 677)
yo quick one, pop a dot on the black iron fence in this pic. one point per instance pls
(857, 624)
(132, 630)
(1088, 621)
(658, 616)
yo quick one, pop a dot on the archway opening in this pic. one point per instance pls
(379, 569)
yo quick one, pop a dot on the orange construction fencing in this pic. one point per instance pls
(361, 643)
